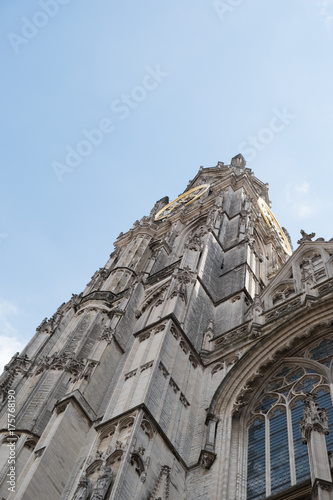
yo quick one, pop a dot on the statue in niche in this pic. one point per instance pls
(83, 491)
(102, 484)
(308, 273)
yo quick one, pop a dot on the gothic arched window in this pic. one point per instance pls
(277, 459)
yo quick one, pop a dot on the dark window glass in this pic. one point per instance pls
(324, 401)
(301, 450)
(280, 467)
(256, 483)
(323, 350)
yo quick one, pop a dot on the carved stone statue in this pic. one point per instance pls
(83, 490)
(102, 484)
(314, 418)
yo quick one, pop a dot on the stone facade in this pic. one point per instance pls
(146, 384)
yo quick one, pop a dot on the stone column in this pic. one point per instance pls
(314, 427)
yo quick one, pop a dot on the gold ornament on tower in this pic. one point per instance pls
(184, 199)
(273, 223)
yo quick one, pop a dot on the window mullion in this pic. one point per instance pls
(267, 456)
(291, 447)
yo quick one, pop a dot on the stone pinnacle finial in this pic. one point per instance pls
(238, 161)
(305, 237)
(314, 418)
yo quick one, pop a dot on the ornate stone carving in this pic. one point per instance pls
(146, 366)
(326, 287)
(322, 485)
(183, 400)
(183, 347)
(214, 217)
(83, 490)
(233, 336)
(161, 489)
(238, 405)
(208, 336)
(174, 332)
(88, 369)
(102, 484)
(119, 445)
(163, 370)
(193, 361)
(195, 239)
(39, 453)
(159, 328)
(116, 311)
(173, 385)
(305, 237)
(284, 309)
(147, 428)
(158, 206)
(238, 161)
(18, 364)
(130, 374)
(157, 296)
(183, 278)
(218, 367)
(282, 294)
(67, 362)
(314, 418)
(207, 459)
(194, 243)
(107, 334)
(74, 366)
(136, 460)
(144, 336)
(75, 300)
(59, 362)
(44, 327)
(98, 278)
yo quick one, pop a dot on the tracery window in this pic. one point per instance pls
(277, 459)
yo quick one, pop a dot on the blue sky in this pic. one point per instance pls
(170, 86)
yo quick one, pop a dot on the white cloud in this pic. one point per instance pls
(303, 188)
(7, 309)
(304, 211)
(301, 201)
(326, 11)
(8, 347)
(9, 342)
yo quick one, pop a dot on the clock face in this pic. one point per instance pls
(184, 199)
(273, 223)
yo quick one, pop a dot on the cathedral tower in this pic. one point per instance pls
(180, 372)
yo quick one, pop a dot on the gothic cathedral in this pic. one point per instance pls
(195, 365)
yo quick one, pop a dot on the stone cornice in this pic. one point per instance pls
(77, 398)
(142, 407)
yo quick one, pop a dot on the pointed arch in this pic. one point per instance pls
(245, 385)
